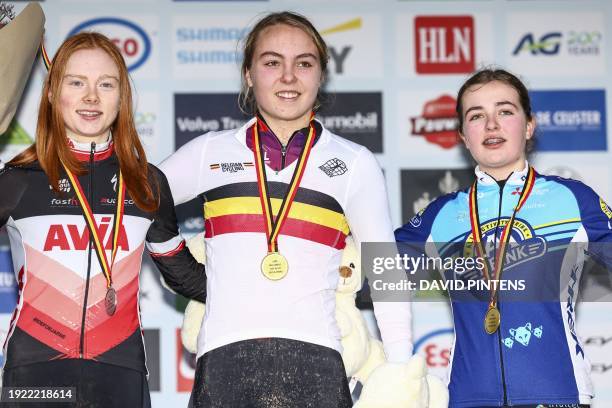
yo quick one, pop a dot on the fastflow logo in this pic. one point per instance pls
(570, 120)
(129, 37)
(444, 44)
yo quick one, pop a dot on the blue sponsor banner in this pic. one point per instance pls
(570, 120)
(8, 287)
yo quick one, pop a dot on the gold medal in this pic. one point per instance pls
(110, 301)
(492, 320)
(274, 266)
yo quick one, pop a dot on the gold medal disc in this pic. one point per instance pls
(110, 301)
(274, 266)
(492, 320)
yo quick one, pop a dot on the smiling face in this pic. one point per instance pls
(285, 76)
(89, 95)
(495, 128)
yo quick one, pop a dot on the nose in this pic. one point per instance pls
(91, 95)
(288, 75)
(491, 123)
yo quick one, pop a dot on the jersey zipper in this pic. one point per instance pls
(499, 339)
(283, 155)
(91, 167)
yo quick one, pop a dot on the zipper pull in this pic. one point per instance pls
(92, 151)
(283, 154)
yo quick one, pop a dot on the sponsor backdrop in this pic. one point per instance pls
(395, 68)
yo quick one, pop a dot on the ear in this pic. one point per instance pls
(50, 97)
(247, 77)
(531, 125)
(463, 139)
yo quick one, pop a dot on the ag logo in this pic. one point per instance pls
(548, 44)
(131, 39)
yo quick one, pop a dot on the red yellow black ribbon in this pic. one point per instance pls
(498, 264)
(93, 228)
(273, 225)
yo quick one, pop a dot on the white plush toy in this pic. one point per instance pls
(386, 384)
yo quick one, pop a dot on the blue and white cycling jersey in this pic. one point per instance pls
(536, 355)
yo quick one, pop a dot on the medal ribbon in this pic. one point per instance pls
(273, 226)
(498, 263)
(93, 228)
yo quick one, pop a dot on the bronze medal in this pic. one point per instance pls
(274, 266)
(110, 301)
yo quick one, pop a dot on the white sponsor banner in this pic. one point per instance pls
(147, 121)
(136, 37)
(355, 44)
(442, 45)
(427, 127)
(208, 46)
(556, 44)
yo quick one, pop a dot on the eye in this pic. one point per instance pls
(505, 112)
(107, 84)
(75, 82)
(272, 63)
(475, 116)
(304, 64)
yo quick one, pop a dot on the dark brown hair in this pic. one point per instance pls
(486, 75)
(246, 98)
(51, 148)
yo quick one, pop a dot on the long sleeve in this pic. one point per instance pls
(367, 212)
(180, 270)
(13, 183)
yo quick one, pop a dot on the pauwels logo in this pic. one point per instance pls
(444, 44)
(438, 124)
(69, 237)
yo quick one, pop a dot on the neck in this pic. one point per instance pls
(502, 173)
(285, 129)
(87, 140)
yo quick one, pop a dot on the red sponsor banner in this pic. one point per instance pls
(444, 44)
(185, 366)
(438, 124)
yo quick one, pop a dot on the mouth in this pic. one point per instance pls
(89, 114)
(288, 95)
(493, 141)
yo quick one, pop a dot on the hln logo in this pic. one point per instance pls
(444, 44)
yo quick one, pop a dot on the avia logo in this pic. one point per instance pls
(131, 39)
(522, 335)
(339, 54)
(444, 44)
(438, 123)
(68, 237)
(548, 44)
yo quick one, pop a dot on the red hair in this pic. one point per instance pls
(51, 148)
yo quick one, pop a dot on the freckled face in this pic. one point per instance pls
(89, 95)
(495, 128)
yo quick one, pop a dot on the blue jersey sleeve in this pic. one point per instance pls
(596, 219)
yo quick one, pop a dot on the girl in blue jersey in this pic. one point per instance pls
(513, 347)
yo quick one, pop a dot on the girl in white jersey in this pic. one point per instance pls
(280, 195)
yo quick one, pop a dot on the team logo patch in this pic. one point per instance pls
(334, 167)
(523, 335)
(231, 167)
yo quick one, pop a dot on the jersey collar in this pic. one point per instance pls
(515, 178)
